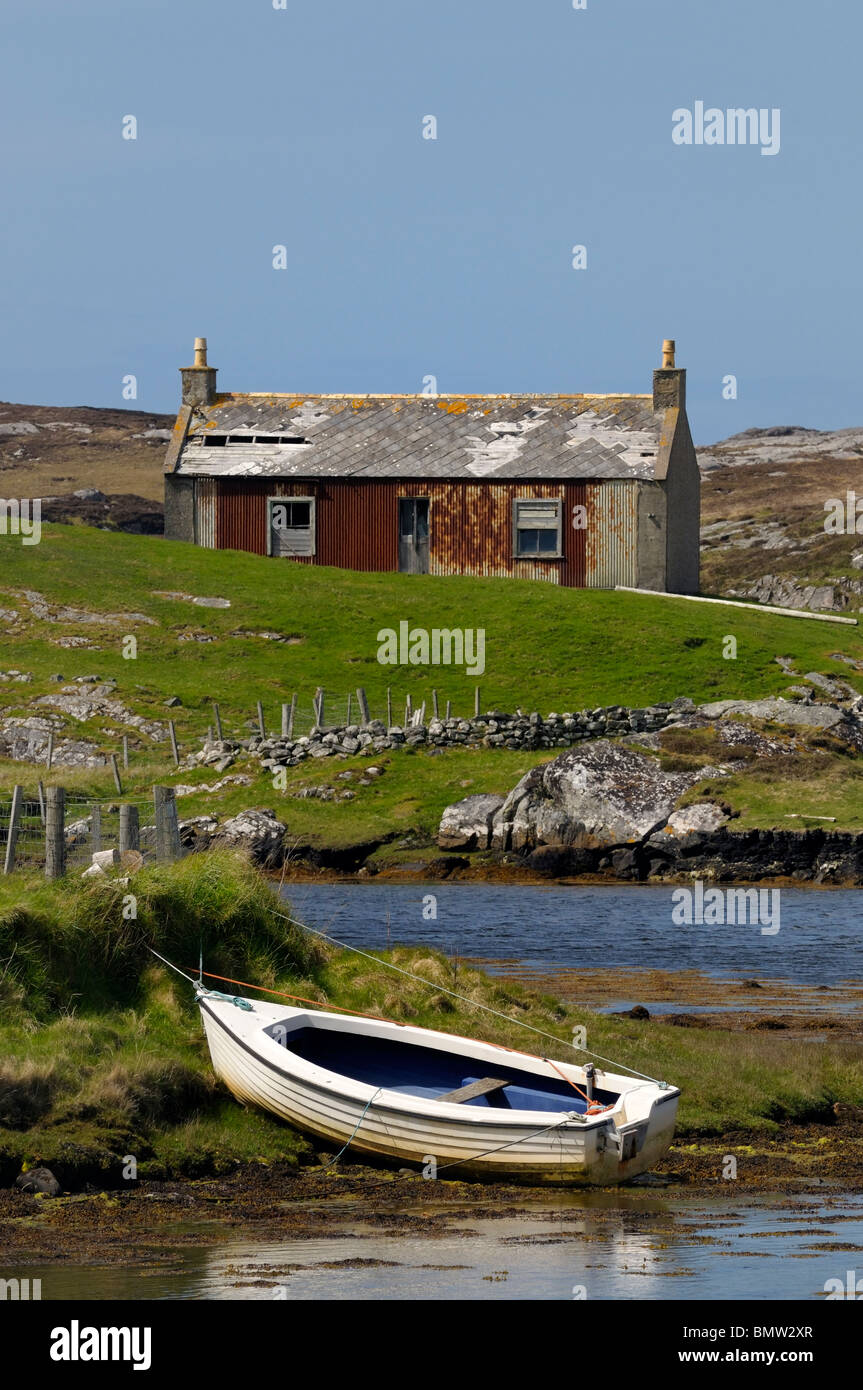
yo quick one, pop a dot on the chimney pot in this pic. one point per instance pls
(199, 380)
(669, 381)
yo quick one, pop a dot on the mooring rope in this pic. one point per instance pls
(349, 1141)
(460, 1162)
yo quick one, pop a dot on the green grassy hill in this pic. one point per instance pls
(293, 628)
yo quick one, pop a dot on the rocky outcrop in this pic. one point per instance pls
(780, 444)
(613, 808)
(25, 739)
(780, 711)
(87, 506)
(726, 856)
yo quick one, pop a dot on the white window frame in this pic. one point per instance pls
(312, 527)
(557, 527)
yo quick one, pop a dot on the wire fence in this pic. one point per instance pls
(333, 710)
(62, 833)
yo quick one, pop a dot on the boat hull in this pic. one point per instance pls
(449, 1140)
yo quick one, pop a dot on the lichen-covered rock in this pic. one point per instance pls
(259, 833)
(781, 711)
(467, 824)
(600, 793)
(700, 818)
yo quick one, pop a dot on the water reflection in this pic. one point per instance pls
(630, 1245)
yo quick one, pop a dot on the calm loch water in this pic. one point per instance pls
(539, 930)
(626, 1245)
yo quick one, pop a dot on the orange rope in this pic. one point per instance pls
(263, 989)
(593, 1106)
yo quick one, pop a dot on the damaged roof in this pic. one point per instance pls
(466, 437)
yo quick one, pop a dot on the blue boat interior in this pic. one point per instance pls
(414, 1070)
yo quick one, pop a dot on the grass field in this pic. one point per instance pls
(546, 648)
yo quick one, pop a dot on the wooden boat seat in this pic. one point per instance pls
(476, 1088)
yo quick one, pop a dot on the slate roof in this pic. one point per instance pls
(467, 437)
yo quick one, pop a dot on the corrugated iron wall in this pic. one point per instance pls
(206, 492)
(470, 525)
(612, 535)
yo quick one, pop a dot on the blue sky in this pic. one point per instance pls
(451, 257)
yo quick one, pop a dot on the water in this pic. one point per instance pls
(541, 930)
(627, 1245)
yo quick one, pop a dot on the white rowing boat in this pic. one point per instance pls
(443, 1102)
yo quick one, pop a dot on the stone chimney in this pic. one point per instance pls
(199, 381)
(669, 382)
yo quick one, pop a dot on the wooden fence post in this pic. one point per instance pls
(348, 716)
(50, 758)
(319, 707)
(434, 704)
(167, 828)
(125, 750)
(55, 832)
(363, 703)
(116, 771)
(95, 829)
(449, 709)
(217, 719)
(476, 703)
(41, 803)
(261, 725)
(12, 833)
(292, 715)
(129, 832)
(389, 708)
(175, 752)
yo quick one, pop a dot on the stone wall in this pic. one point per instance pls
(492, 730)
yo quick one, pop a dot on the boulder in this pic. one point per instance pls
(467, 824)
(106, 858)
(596, 794)
(704, 816)
(258, 833)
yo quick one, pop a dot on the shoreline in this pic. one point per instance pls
(267, 1202)
(432, 871)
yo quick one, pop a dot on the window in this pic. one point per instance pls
(222, 441)
(291, 525)
(536, 527)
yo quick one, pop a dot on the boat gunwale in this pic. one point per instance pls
(423, 1106)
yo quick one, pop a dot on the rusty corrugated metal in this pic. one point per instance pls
(612, 535)
(206, 490)
(471, 527)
